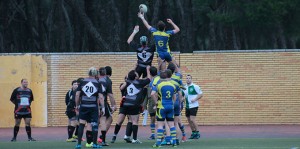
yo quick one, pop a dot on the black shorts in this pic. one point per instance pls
(89, 114)
(130, 110)
(191, 112)
(71, 113)
(18, 116)
(121, 110)
(108, 110)
(141, 70)
(152, 114)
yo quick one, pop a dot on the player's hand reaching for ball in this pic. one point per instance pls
(136, 29)
(169, 21)
(141, 15)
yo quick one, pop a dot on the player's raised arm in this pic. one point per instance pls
(141, 15)
(176, 28)
(135, 30)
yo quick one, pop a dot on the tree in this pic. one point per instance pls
(104, 25)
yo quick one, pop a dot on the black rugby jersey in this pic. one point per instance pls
(134, 92)
(106, 87)
(144, 54)
(22, 99)
(90, 88)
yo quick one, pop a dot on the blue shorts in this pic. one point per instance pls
(165, 114)
(165, 56)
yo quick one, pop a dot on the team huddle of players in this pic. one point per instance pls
(159, 91)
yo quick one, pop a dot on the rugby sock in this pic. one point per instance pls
(160, 133)
(168, 139)
(129, 129)
(103, 135)
(117, 129)
(80, 133)
(76, 130)
(193, 133)
(89, 136)
(95, 136)
(152, 126)
(182, 129)
(135, 131)
(70, 131)
(28, 130)
(173, 135)
(16, 130)
(164, 128)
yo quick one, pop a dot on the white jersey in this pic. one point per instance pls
(191, 93)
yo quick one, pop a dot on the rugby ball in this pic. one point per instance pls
(143, 8)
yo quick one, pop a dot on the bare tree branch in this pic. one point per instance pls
(70, 31)
(117, 25)
(88, 24)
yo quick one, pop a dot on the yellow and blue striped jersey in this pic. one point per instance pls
(154, 81)
(177, 76)
(166, 90)
(161, 39)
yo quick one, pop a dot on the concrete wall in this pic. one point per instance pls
(12, 69)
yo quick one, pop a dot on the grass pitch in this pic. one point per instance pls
(253, 143)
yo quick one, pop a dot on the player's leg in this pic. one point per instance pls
(167, 133)
(176, 124)
(175, 61)
(161, 61)
(135, 118)
(71, 127)
(176, 118)
(109, 118)
(160, 132)
(182, 128)
(109, 121)
(193, 121)
(106, 123)
(152, 126)
(83, 117)
(27, 120)
(72, 123)
(187, 114)
(118, 125)
(160, 118)
(89, 134)
(16, 128)
(75, 136)
(169, 58)
(152, 113)
(128, 130)
(103, 128)
(94, 123)
(170, 123)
